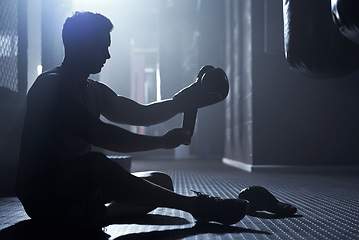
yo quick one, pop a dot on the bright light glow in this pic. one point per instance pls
(39, 69)
(158, 82)
(149, 70)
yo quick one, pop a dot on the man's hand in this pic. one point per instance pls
(176, 137)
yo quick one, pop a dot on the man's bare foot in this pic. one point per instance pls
(261, 199)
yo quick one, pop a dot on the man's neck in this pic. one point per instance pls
(74, 70)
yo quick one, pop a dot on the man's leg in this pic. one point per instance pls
(119, 210)
(95, 171)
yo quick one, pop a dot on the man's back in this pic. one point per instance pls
(55, 100)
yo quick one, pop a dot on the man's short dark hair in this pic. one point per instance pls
(83, 27)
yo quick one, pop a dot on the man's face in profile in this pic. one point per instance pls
(97, 53)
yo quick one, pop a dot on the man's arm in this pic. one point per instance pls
(123, 110)
(78, 119)
(56, 110)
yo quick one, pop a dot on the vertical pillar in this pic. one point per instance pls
(238, 133)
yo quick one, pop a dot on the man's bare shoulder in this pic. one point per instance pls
(46, 82)
(103, 87)
(53, 74)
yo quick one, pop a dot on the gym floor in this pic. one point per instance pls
(328, 207)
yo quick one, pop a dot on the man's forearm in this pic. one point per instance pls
(117, 139)
(120, 140)
(158, 112)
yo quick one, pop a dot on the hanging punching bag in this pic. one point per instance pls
(346, 17)
(314, 47)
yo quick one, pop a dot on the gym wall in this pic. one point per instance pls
(296, 120)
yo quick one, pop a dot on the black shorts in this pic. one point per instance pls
(42, 202)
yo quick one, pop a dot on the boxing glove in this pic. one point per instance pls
(211, 88)
(190, 115)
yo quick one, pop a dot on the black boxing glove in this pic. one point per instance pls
(209, 88)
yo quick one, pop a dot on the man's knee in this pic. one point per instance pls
(164, 180)
(159, 178)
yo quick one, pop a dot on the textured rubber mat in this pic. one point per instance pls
(11, 212)
(328, 205)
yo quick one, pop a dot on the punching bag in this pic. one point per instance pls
(314, 46)
(346, 17)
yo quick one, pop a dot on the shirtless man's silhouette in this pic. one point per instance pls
(61, 179)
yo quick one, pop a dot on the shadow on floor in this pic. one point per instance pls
(150, 219)
(197, 229)
(31, 229)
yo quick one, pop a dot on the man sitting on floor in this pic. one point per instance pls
(61, 179)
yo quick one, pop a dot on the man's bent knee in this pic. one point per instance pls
(159, 178)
